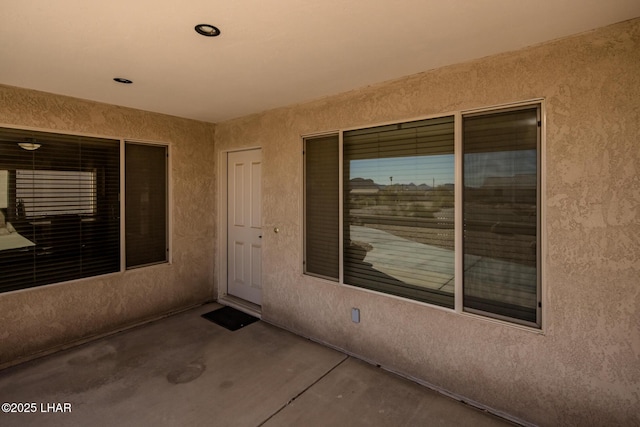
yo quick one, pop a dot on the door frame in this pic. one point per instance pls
(220, 280)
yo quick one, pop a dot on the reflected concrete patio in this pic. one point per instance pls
(408, 261)
(432, 267)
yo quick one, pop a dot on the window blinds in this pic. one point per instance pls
(61, 209)
(322, 206)
(500, 213)
(398, 209)
(145, 204)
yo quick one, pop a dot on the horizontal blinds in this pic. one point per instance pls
(61, 203)
(419, 138)
(146, 204)
(506, 131)
(322, 199)
(500, 213)
(398, 209)
(56, 192)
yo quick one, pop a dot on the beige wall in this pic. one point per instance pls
(41, 319)
(585, 368)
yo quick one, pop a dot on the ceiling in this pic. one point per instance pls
(270, 53)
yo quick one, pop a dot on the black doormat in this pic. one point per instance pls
(230, 318)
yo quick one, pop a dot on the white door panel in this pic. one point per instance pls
(244, 247)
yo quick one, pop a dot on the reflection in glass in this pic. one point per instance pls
(398, 209)
(62, 202)
(55, 192)
(500, 213)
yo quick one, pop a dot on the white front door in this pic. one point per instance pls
(244, 222)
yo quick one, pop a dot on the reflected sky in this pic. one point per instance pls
(418, 170)
(479, 166)
(439, 170)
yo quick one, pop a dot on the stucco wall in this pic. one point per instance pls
(45, 318)
(585, 368)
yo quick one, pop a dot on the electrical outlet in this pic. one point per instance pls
(355, 315)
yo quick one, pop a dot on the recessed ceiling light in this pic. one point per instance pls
(207, 30)
(122, 80)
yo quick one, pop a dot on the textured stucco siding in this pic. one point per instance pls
(38, 320)
(585, 367)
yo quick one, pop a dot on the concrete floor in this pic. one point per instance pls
(187, 371)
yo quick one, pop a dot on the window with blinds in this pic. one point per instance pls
(59, 208)
(146, 204)
(399, 213)
(321, 206)
(398, 185)
(500, 209)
